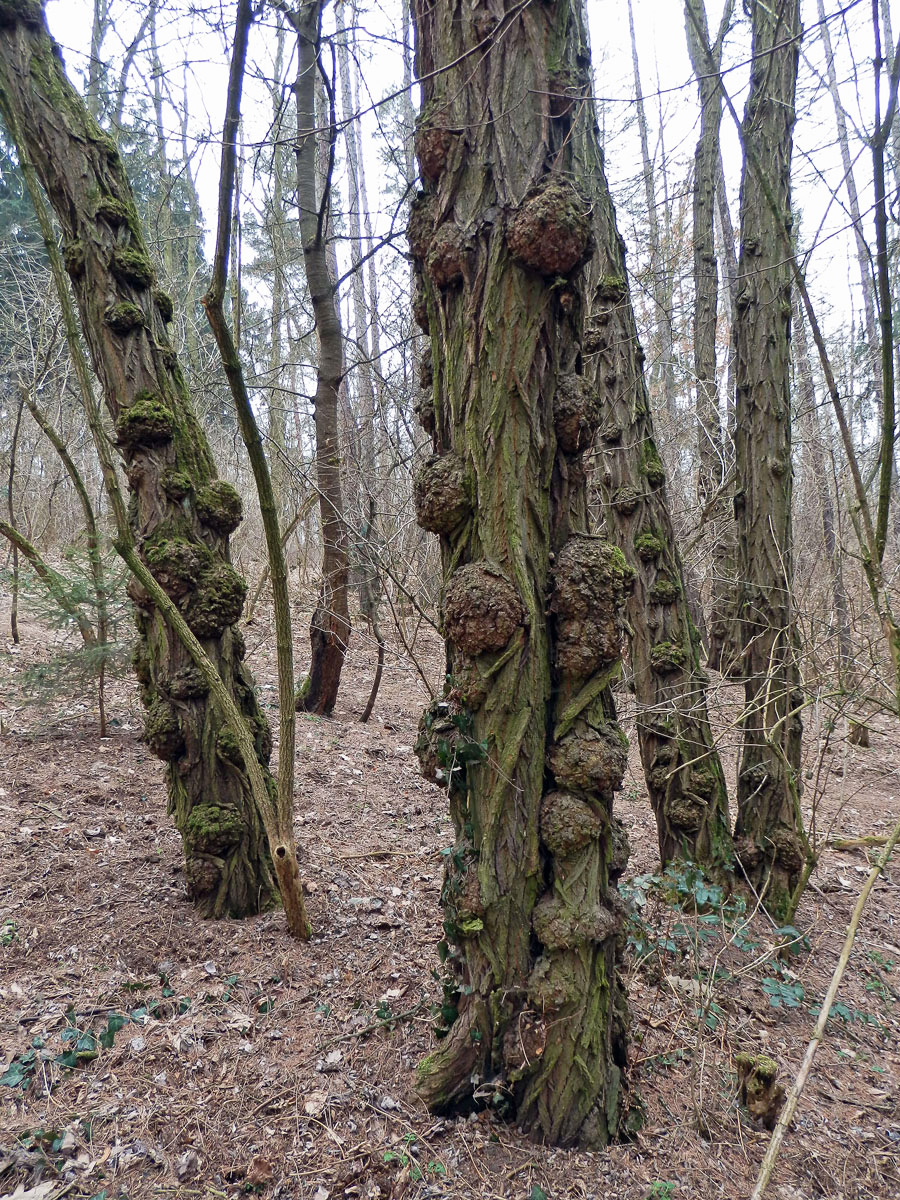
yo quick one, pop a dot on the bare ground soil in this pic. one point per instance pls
(250, 1063)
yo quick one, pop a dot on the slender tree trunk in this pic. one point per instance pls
(662, 276)
(770, 839)
(329, 630)
(94, 549)
(525, 738)
(806, 395)
(180, 514)
(712, 470)
(684, 776)
(11, 509)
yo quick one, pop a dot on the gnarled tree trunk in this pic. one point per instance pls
(525, 738)
(769, 834)
(181, 515)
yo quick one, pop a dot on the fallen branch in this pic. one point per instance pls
(784, 1120)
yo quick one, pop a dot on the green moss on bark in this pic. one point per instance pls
(220, 507)
(147, 421)
(132, 266)
(217, 601)
(162, 731)
(213, 828)
(124, 317)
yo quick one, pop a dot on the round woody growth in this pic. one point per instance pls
(551, 231)
(554, 983)
(569, 823)
(146, 422)
(420, 229)
(589, 586)
(481, 610)
(162, 731)
(420, 309)
(590, 760)
(445, 256)
(220, 507)
(576, 413)
(217, 602)
(433, 145)
(559, 927)
(439, 493)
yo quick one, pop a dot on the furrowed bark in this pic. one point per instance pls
(329, 630)
(684, 776)
(769, 835)
(525, 738)
(180, 515)
(712, 459)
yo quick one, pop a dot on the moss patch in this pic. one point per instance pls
(651, 465)
(648, 546)
(146, 422)
(217, 601)
(176, 484)
(176, 562)
(131, 266)
(220, 507)
(665, 591)
(162, 731)
(123, 317)
(667, 657)
(164, 305)
(213, 828)
(559, 927)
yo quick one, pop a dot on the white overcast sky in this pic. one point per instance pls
(667, 85)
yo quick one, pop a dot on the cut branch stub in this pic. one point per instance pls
(219, 506)
(481, 610)
(440, 495)
(569, 822)
(551, 231)
(576, 413)
(446, 256)
(590, 759)
(590, 577)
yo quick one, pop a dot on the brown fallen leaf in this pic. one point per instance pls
(259, 1172)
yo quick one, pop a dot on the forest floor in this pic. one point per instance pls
(249, 1063)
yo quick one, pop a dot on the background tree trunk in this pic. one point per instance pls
(180, 514)
(329, 630)
(525, 738)
(769, 832)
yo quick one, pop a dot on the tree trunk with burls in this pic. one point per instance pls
(769, 835)
(684, 776)
(525, 738)
(180, 514)
(329, 629)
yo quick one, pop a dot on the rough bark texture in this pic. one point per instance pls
(329, 630)
(682, 768)
(525, 738)
(769, 832)
(712, 458)
(180, 514)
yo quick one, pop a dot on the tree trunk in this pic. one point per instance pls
(180, 514)
(806, 396)
(712, 469)
(684, 776)
(329, 630)
(525, 737)
(662, 276)
(769, 834)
